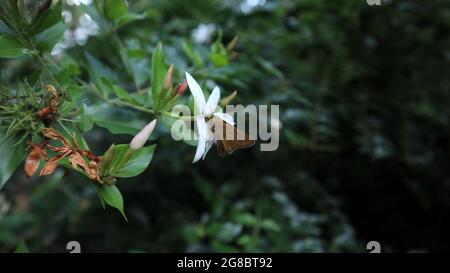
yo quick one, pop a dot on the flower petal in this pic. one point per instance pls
(209, 144)
(200, 150)
(197, 93)
(225, 117)
(202, 127)
(212, 102)
(202, 135)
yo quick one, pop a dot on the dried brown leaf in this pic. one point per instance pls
(49, 167)
(32, 162)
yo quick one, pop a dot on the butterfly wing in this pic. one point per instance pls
(240, 140)
(220, 148)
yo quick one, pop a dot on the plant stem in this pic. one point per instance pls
(40, 59)
(47, 70)
(130, 105)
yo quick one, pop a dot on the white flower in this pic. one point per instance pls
(139, 140)
(205, 109)
(78, 2)
(203, 33)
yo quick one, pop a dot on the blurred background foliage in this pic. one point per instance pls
(365, 142)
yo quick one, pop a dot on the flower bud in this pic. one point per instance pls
(168, 79)
(227, 100)
(232, 44)
(181, 87)
(139, 140)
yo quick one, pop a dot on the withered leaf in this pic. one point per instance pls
(32, 162)
(94, 171)
(33, 159)
(49, 167)
(76, 156)
(53, 134)
(90, 155)
(77, 160)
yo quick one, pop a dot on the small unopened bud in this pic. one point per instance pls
(232, 44)
(168, 79)
(139, 140)
(181, 87)
(225, 101)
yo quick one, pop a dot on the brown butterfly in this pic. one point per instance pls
(230, 138)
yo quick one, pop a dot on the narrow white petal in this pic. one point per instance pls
(196, 92)
(213, 101)
(200, 150)
(202, 127)
(202, 130)
(209, 144)
(225, 117)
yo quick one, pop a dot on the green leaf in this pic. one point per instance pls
(114, 9)
(22, 248)
(11, 156)
(270, 225)
(5, 29)
(218, 60)
(85, 122)
(270, 68)
(123, 52)
(119, 91)
(129, 18)
(117, 121)
(75, 92)
(107, 160)
(159, 70)
(97, 190)
(10, 47)
(97, 70)
(218, 48)
(139, 64)
(219, 54)
(45, 40)
(135, 161)
(245, 219)
(111, 195)
(137, 53)
(46, 19)
(123, 94)
(192, 54)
